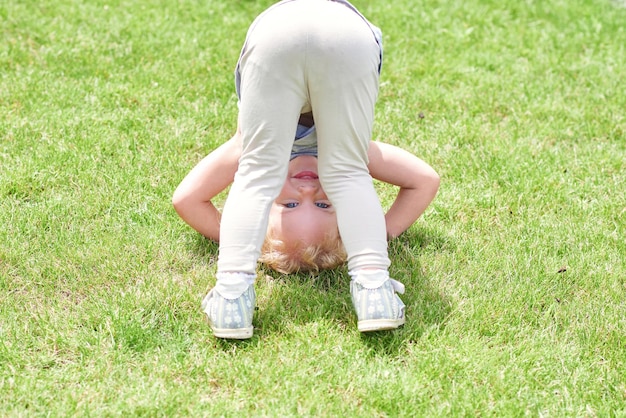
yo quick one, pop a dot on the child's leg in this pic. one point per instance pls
(273, 93)
(343, 84)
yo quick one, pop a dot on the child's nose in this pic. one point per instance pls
(308, 188)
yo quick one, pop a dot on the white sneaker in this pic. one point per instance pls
(377, 305)
(230, 318)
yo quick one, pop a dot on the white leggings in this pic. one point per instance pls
(300, 56)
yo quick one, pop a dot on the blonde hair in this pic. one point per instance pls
(277, 255)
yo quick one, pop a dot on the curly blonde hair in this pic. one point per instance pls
(279, 256)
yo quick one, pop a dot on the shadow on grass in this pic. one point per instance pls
(426, 306)
(204, 247)
(300, 299)
(288, 302)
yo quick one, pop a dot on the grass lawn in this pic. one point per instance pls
(515, 276)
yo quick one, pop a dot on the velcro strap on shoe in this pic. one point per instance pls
(397, 286)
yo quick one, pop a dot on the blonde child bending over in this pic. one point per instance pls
(317, 60)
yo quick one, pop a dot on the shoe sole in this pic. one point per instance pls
(379, 324)
(233, 333)
(230, 333)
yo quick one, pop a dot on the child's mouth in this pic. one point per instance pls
(306, 175)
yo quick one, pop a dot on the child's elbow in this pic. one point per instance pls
(431, 182)
(179, 200)
(435, 181)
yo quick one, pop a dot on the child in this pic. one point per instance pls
(314, 58)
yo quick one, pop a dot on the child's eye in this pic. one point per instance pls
(322, 205)
(290, 205)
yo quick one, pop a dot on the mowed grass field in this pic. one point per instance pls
(515, 276)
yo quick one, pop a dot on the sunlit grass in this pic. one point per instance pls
(515, 275)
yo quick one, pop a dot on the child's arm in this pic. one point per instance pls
(192, 198)
(417, 180)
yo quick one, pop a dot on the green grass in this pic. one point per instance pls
(515, 275)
